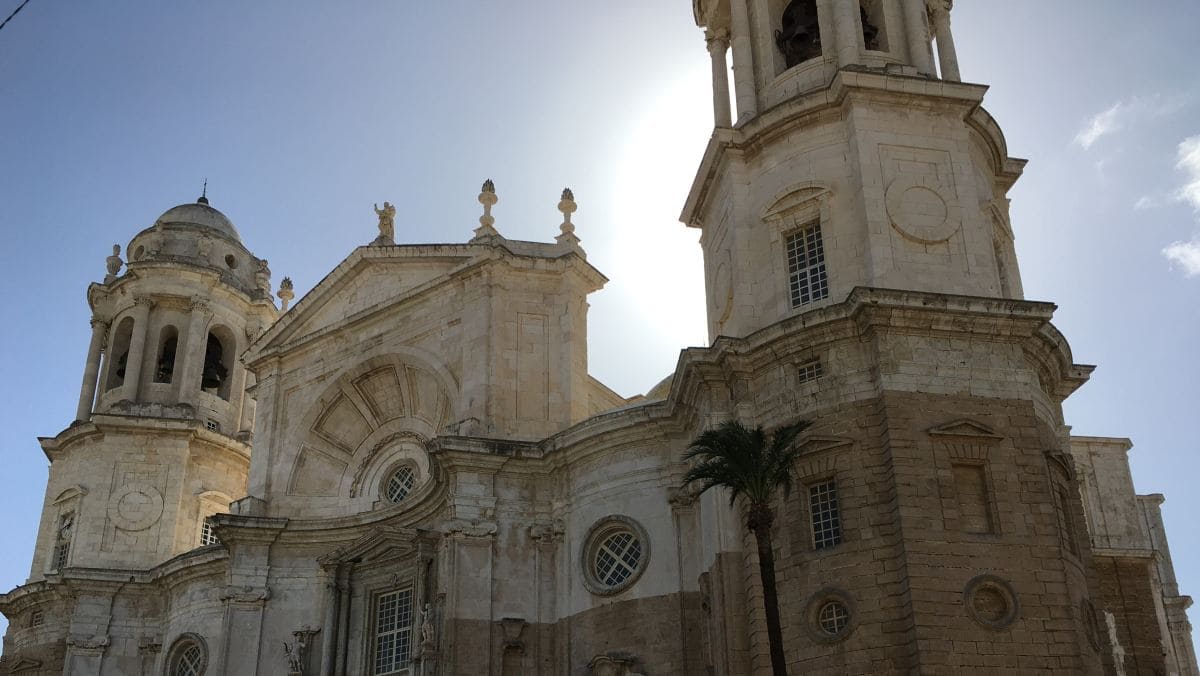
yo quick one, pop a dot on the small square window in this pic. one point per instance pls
(826, 517)
(208, 535)
(810, 370)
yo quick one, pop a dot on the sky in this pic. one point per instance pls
(302, 114)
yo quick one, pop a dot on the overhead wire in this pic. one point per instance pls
(14, 13)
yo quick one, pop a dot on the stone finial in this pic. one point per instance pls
(285, 293)
(113, 264)
(567, 206)
(387, 224)
(487, 197)
(262, 277)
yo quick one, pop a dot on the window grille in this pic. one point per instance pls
(833, 618)
(400, 484)
(811, 370)
(212, 425)
(807, 280)
(1066, 520)
(617, 558)
(208, 535)
(62, 543)
(393, 631)
(826, 519)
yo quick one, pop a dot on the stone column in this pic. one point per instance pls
(137, 348)
(947, 57)
(846, 32)
(718, 45)
(187, 379)
(91, 370)
(918, 35)
(743, 60)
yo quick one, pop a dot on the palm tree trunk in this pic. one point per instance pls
(760, 525)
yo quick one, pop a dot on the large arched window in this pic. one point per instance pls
(799, 36)
(188, 656)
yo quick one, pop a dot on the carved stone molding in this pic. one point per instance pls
(612, 664)
(246, 594)
(471, 529)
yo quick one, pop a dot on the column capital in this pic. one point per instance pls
(940, 8)
(200, 305)
(717, 40)
(143, 301)
(99, 322)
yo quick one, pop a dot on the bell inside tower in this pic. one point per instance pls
(799, 38)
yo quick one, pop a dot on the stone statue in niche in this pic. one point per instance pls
(427, 625)
(800, 37)
(387, 224)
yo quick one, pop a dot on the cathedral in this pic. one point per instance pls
(410, 471)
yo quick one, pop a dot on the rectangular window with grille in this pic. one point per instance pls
(393, 631)
(826, 517)
(807, 281)
(62, 539)
(810, 370)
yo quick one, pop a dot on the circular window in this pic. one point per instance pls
(830, 615)
(991, 601)
(231, 261)
(189, 656)
(833, 618)
(617, 550)
(400, 484)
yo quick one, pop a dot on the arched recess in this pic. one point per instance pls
(118, 353)
(220, 352)
(380, 413)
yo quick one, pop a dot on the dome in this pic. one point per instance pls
(199, 213)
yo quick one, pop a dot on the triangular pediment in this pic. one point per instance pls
(369, 280)
(376, 543)
(820, 444)
(964, 428)
(23, 664)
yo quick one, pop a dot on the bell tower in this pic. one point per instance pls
(855, 159)
(161, 436)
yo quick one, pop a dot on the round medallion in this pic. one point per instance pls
(135, 507)
(991, 601)
(920, 209)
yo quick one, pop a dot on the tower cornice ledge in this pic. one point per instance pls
(805, 108)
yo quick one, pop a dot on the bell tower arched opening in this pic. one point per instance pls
(798, 37)
(119, 354)
(218, 362)
(164, 365)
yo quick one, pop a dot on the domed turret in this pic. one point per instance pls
(199, 213)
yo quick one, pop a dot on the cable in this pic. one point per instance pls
(14, 13)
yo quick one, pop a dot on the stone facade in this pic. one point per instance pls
(410, 471)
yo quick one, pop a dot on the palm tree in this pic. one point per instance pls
(752, 466)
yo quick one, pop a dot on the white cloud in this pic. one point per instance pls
(1189, 163)
(1147, 202)
(1123, 114)
(1101, 124)
(1186, 255)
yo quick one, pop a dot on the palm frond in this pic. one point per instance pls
(744, 460)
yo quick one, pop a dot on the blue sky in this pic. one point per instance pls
(302, 114)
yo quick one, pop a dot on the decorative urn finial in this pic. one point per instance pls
(285, 293)
(487, 197)
(567, 206)
(113, 264)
